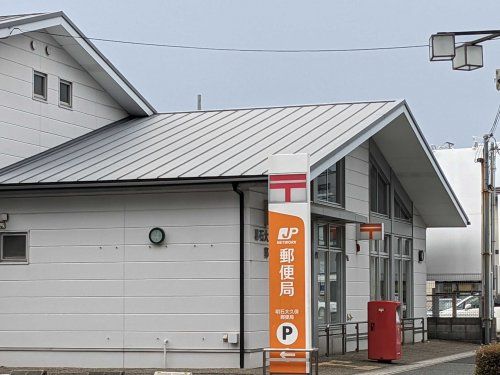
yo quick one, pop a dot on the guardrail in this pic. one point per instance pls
(330, 331)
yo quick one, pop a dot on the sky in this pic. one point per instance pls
(448, 105)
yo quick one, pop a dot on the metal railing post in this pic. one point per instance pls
(343, 338)
(264, 360)
(357, 336)
(413, 331)
(316, 354)
(423, 329)
(327, 331)
(403, 331)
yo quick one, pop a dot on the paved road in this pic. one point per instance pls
(459, 367)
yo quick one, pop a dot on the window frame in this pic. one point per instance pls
(403, 208)
(24, 260)
(407, 310)
(329, 251)
(64, 104)
(340, 186)
(379, 256)
(380, 175)
(45, 76)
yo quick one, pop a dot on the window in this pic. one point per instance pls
(400, 211)
(40, 85)
(329, 184)
(379, 191)
(330, 273)
(402, 273)
(379, 269)
(13, 247)
(65, 93)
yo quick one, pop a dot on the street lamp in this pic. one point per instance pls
(442, 47)
(468, 57)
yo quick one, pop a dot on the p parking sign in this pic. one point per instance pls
(289, 262)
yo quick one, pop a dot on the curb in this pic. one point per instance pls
(421, 364)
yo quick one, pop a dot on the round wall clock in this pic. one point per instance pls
(156, 235)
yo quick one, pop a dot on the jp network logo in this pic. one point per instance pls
(286, 234)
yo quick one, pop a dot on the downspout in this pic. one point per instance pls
(242, 273)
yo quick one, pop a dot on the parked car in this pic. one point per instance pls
(444, 304)
(469, 308)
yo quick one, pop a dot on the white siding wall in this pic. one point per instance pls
(419, 269)
(357, 200)
(257, 298)
(357, 173)
(29, 126)
(94, 281)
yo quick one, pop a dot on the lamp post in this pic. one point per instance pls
(468, 56)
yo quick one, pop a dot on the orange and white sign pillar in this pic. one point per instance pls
(289, 262)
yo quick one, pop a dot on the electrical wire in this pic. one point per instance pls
(221, 49)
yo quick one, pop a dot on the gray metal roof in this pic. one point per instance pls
(16, 17)
(202, 144)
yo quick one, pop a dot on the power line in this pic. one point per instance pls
(252, 50)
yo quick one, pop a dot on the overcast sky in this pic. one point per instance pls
(448, 105)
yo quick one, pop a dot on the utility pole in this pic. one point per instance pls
(467, 56)
(488, 166)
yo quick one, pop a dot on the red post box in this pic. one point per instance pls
(384, 330)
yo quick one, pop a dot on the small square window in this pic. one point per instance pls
(13, 247)
(65, 93)
(40, 85)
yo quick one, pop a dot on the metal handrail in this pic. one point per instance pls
(421, 329)
(341, 330)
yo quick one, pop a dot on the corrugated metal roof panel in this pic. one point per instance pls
(199, 144)
(13, 17)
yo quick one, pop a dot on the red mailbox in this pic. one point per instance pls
(384, 330)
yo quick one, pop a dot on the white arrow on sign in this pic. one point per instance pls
(286, 354)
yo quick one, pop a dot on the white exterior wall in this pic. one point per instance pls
(95, 283)
(419, 268)
(257, 276)
(455, 253)
(29, 126)
(357, 175)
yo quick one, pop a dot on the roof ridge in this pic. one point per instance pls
(22, 14)
(396, 101)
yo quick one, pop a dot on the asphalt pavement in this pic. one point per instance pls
(463, 366)
(432, 357)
